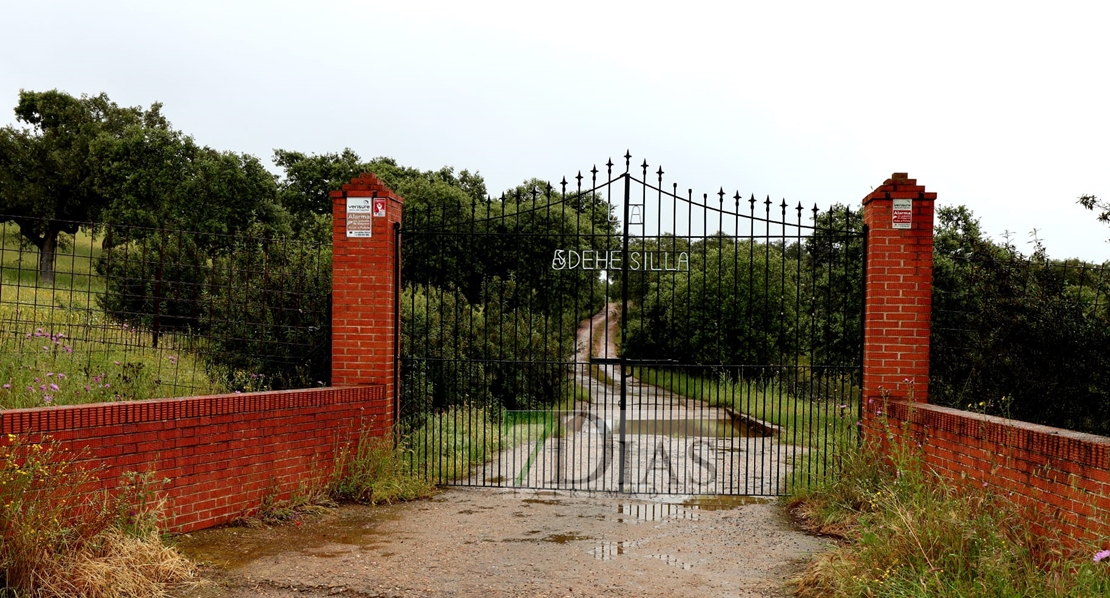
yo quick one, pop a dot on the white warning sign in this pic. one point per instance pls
(902, 216)
(360, 217)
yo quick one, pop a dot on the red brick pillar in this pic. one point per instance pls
(899, 290)
(365, 281)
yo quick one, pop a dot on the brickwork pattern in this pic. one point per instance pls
(364, 287)
(222, 454)
(1062, 476)
(899, 291)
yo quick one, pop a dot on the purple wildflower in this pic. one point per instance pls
(1102, 554)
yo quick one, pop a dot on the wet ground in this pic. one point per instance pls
(499, 543)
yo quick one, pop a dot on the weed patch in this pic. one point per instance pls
(908, 532)
(63, 537)
(372, 472)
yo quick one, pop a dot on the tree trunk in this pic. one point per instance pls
(47, 250)
(47, 242)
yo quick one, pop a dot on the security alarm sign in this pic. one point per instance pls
(903, 214)
(360, 217)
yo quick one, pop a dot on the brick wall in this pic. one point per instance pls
(222, 454)
(899, 291)
(1063, 476)
(364, 286)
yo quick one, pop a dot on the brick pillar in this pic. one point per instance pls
(899, 290)
(365, 281)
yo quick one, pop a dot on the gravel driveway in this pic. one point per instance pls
(493, 543)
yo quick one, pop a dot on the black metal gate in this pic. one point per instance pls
(613, 334)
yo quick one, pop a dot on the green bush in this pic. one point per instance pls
(1020, 336)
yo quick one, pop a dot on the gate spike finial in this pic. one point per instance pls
(751, 202)
(563, 185)
(627, 160)
(645, 167)
(721, 195)
(609, 165)
(660, 173)
(737, 198)
(594, 171)
(815, 213)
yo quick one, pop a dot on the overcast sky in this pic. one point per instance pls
(1000, 106)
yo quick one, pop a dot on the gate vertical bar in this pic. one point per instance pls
(624, 335)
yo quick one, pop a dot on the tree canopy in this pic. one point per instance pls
(49, 168)
(79, 160)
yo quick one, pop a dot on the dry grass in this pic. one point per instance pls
(64, 538)
(113, 565)
(907, 532)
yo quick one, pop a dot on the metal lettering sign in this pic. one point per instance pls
(902, 216)
(613, 260)
(360, 217)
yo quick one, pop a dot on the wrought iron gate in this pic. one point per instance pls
(613, 334)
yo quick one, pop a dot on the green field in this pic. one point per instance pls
(57, 347)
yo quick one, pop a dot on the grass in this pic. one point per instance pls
(376, 471)
(907, 532)
(814, 424)
(448, 444)
(61, 537)
(58, 348)
(372, 472)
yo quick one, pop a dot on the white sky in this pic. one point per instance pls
(1001, 106)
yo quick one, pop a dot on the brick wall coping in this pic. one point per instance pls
(72, 417)
(1008, 434)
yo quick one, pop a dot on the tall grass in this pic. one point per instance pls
(58, 348)
(62, 537)
(373, 472)
(448, 444)
(910, 533)
(810, 413)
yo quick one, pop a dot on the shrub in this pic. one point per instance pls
(62, 537)
(909, 532)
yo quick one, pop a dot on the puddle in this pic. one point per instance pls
(553, 538)
(606, 550)
(637, 512)
(538, 501)
(532, 426)
(335, 535)
(723, 503)
(699, 428)
(673, 561)
(687, 510)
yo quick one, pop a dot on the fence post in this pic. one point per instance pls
(365, 280)
(899, 291)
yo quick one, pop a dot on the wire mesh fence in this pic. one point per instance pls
(123, 313)
(1025, 337)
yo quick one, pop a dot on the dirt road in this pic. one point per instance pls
(501, 542)
(493, 543)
